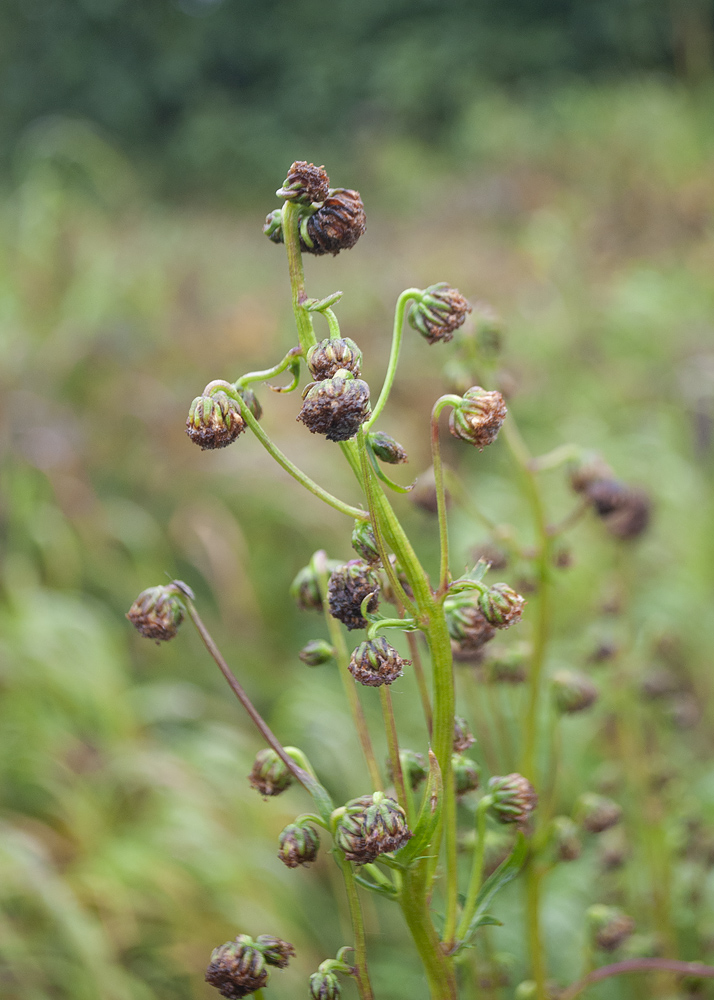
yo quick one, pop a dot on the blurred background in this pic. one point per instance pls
(554, 158)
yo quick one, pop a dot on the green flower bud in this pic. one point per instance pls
(275, 951)
(375, 663)
(514, 798)
(387, 449)
(214, 421)
(414, 768)
(597, 813)
(478, 418)
(270, 774)
(324, 986)
(158, 611)
(298, 845)
(349, 585)
(370, 826)
(439, 311)
(305, 588)
(609, 926)
(364, 543)
(273, 226)
(336, 225)
(317, 652)
(501, 606)
(328, 357)
(237, 968)
(463, 737)
(335, 407)
(566, 839)
(467, 774)
(573, 691)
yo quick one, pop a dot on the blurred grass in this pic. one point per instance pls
(131, 842)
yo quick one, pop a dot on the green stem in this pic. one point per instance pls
(393, 745)
(364, 987)
(291, 235)
(438, 967)
(266, 373)
(476, 869)
(418, 669)
(409, 293)
(440, 493)
(332, 322)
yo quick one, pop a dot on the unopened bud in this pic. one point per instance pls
(349, 585)
(336, 225)
(273, 226)
(324, 986)
(439, 311)
(375, 663)
(330, 356)
(566, 839)
(158, 612)
(316, 652)
(467, 627)
(573, 691)
(387, 449)
(336, 407)
(298, 845)
(624, 511)
(371, 825)
(587, 470)
(467, 774)
(501, 606)
(610, 926)
(414, 768)
(463, 737)
(270, 774)
(478, 417)
(305, 183)
(364, 543)
(275, 951)
(598, 813)
(237, 968)
(305, 588)
(514, 798)
(214, 421)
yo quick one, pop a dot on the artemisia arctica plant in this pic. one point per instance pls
(405, 838)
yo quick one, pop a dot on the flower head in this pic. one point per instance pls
(439, 311)
(349, 585)
(298, 845)
(237, 968)
(375, 662)
(478, 418)
(214, 421)
(270, 774)
(336, 407)
(514, 798)
(158, 612)
(369, 826)
(328, 357)
(305, 183)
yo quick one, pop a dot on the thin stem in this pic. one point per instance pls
(476, 869)
(364, 987)
(440, 496)
(319, 794)
(555, 458)
(393, 744)
(695, 969)
(535, 943)
(570, 520)
(266, 373)
(418, 668)
(438, 966)
(409, 293)
(291, 235)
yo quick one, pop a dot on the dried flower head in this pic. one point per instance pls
(237, 968)
(328, 357)
(305, 183)
(324, 986)
(439, 311)
(364, 543)
(336, 225)
(573, 691)
(275, 951)
(369, 826)
(375, 662)
(349, 585)
(336, 407)
(467, 774)
(158, 611)
(598, 813)
(270, 774)
(463, 737)
(610, 926)
(387, 449)
(316, 652)
(514, 798)
(479, 416)
(214, 421)
(298, 845)
(501, 606)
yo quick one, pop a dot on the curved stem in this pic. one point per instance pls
(332, 322)
(409, 293)
(266, 373)
(364, 987)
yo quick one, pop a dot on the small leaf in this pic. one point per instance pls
(504, 874)
(383, 890)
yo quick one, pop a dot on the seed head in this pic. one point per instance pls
(336, 407)
(370, 826)
(237, 968)
(440, 310)
(501, 606)
(375, 662)
(270, 774)
(478, 417)
(468, 628)
(597, 812)
(566, 839)
(349, 585)
(214, 421)
(316, 652)
(158, 612)
(387, 449)
(298, 845)
(573, 691)
(329, 356)
(514, 798)
(324, 986)
(364, 543)
(336, 225)
(305, 183)
(610, 926)
(467, 774)
(463, 737)
(275, 951)
(414, 768)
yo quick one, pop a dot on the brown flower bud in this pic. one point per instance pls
(439, 311)
(598, 813)
(573, 691)
(270, 774)
(463, 737)
(624, 511)
(337, 225)
(387, 449)
(335, 407)
(501, 606)
(587, 470)
(467, 626)
(305, 183)
(158, 612)
(214, 421)
(364, 543)
(275, 951)
(467, 774)
(324, 986)
(237, 968)
(369, 826)
(375, 662)
(298, 845)
(349, 585)
(328, 357)
(610, 926)
(514, 798)
(478, 417)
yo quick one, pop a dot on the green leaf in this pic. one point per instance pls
(429, 816)
(504, 874)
